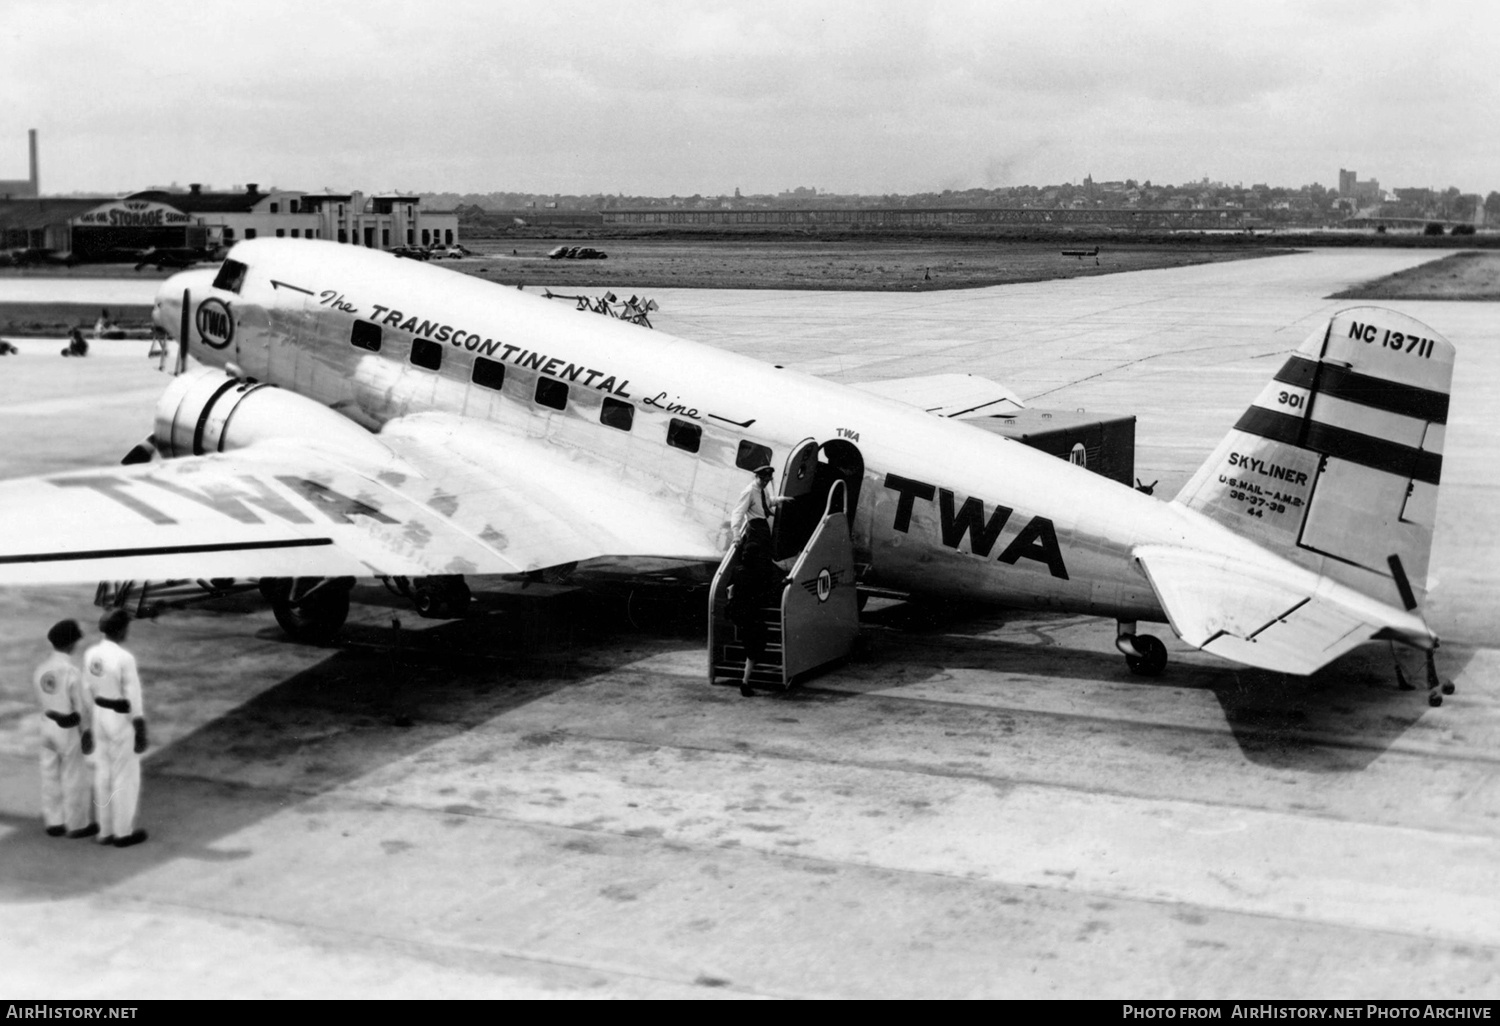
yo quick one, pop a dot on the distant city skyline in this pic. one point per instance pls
(676, 97)
(1361, 188)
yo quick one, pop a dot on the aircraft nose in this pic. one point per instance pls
(166, 310)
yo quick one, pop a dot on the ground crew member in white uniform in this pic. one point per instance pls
(754, 503)
(67, 722)
(110, 676)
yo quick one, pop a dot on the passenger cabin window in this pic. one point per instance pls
(488, 373)
(684, 436)
(551, 393)
(426, 353)
(752, 456)
(616, 414)
(231, 276)
(365, 335)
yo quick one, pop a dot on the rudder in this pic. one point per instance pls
(1336, 464)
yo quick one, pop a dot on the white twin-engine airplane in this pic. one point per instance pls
(386, 418)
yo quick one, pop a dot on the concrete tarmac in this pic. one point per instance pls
(544, 801)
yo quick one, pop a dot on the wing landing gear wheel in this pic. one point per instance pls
(441, 598)
(310, 609)
(1153, 657)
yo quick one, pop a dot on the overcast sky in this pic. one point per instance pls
(661, 96)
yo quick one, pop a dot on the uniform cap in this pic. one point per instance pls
(64, 633)
(764, 468)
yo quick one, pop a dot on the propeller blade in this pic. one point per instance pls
(144, 452)
(182, 333)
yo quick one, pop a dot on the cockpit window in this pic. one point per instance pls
(231, 276)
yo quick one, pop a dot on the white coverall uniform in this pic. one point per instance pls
(109, 674)
(66, 788)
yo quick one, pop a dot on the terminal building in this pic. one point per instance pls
(101, 228)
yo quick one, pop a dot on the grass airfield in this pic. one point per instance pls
(545, 801)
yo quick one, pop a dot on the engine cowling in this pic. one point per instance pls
(203, 411)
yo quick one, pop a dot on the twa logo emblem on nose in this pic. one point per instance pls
(215, 326)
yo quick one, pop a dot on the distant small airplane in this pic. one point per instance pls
(163, 257)
(576, 253)
(365, 416)
(36, 256)
(1081, 253)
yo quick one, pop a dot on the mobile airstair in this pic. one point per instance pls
(817, 619)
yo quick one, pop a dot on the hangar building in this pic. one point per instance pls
(198, 218)
(101, 228)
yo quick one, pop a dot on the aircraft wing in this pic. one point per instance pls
(947, 395)
(1279, 618)
(455, 497)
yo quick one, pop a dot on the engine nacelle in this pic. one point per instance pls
(203, 411)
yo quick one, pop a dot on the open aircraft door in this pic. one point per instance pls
(795, 522)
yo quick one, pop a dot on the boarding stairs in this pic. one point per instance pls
(816, 620)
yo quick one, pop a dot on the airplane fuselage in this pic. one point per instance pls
(942, 509)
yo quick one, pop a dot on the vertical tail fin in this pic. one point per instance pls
(1336, 464)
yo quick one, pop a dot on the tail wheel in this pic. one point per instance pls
(309, 609)
(1153, 657)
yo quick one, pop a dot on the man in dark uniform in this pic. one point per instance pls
(758, 581)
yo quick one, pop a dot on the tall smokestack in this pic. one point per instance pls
(36, 189)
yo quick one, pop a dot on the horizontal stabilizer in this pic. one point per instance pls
(1277, 617)
(947, 395)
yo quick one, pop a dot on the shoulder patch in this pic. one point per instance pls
(49, 683)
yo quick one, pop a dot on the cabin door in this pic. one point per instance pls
(811, 472)
(796, 520)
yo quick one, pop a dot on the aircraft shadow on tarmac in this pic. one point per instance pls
(383, 695)
(1337, 720)
(380, 696)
